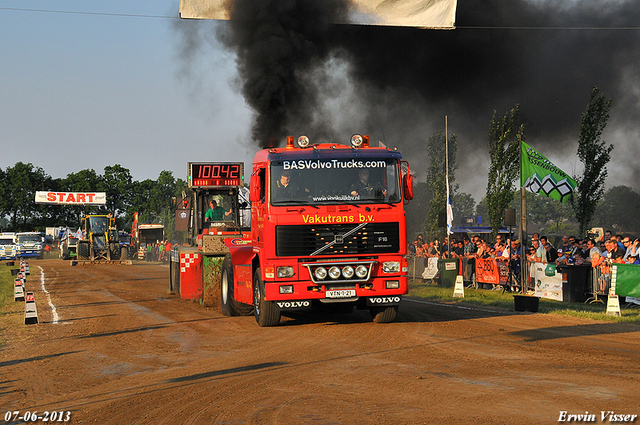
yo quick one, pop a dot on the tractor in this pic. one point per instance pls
(98, 242)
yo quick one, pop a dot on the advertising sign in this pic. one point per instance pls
(71, 198)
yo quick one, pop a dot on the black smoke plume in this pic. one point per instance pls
(302, 74)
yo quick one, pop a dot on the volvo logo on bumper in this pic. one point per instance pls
(390, 300)
(293, 305)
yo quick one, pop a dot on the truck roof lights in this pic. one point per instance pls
(303, 141)
(358, 141)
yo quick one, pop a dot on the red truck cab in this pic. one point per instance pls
(327, 227)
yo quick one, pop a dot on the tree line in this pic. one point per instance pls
(617, 209)
(152, 199)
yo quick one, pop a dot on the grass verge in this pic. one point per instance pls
(11, 312)
(504, 301)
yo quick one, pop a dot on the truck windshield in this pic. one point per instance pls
(29, 238)
(8, 241)
(342, 181)
(98, 225)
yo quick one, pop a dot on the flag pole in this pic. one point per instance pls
(523, 224)
(446, 154)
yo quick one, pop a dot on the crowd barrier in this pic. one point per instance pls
(569, 283)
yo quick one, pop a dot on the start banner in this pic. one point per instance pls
(490, 270)
(71, 198)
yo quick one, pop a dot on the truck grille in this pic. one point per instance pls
(303, 240)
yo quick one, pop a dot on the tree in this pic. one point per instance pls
(86, 180)
(4, 203)
(436, 179)
(416, 209)
(595, 155)
(463, 205)
(619, 210)
(22, 182)
(505, 165)
(117, 182)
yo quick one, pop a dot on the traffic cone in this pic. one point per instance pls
(30, 310)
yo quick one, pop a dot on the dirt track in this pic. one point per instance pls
(124, 351)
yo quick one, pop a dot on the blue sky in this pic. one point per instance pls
(99, 83)
(90, 84)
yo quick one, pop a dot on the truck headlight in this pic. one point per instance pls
(284, 271)
(347, 272)
(320, 273)
(334, 272)
(391, 267)
(362, 271)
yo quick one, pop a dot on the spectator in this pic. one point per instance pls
(631, 248)
(551, 254)
(566, 244)
(435, 251)
(632, 259)
(411, 249)
(515, 253)
(458, 251)
(593, 250)
(614, 248)
(470, 250)
(539, 250)
(532, 256)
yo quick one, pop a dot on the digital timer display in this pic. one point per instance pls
(219, 174)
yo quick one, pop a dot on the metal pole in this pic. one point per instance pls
(446, 208)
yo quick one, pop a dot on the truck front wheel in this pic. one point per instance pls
(228, 303)
(384, 314)
(265, 311)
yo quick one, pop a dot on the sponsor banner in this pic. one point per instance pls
(437, 14)
(71, 198)
(492, 271)
(627, 280)
(293, 305)
(431, 269)
(546, 286)
(384, 300)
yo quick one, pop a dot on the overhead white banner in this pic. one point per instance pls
(71, 198)
(437, 14)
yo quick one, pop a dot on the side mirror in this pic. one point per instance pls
(407, 184)
(254, 195)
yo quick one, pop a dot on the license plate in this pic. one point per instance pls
(341, 293)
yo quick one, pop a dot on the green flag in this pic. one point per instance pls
(540, 176)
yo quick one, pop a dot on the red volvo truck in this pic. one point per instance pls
(327, 227)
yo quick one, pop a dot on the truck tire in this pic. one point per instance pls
(228, 304)
(124, 253)
(265, 311)
(83, 251)
(384, 314)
